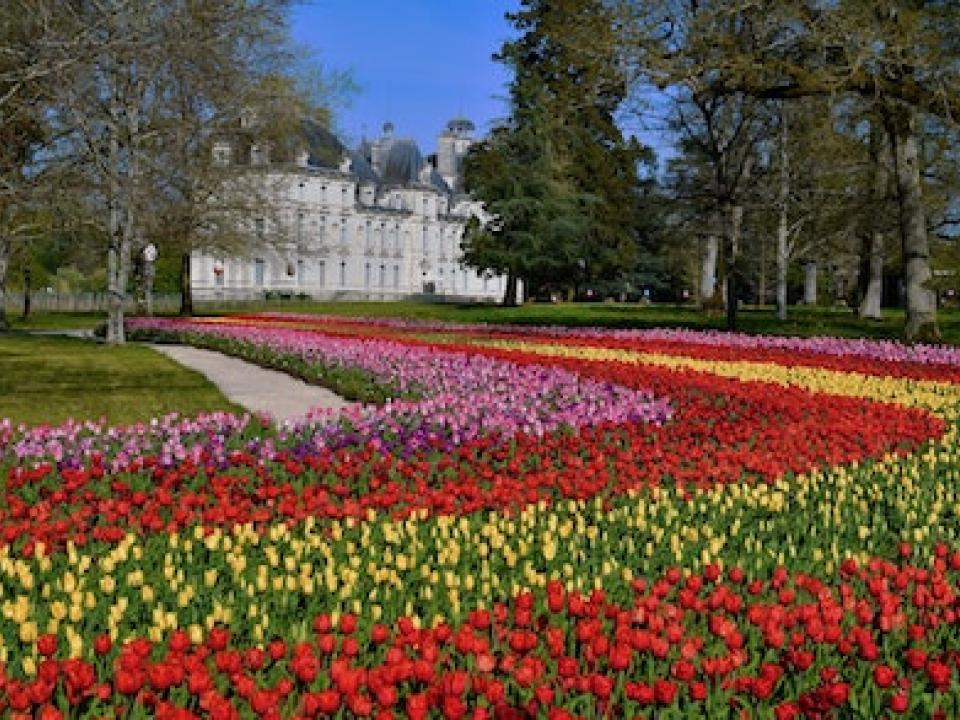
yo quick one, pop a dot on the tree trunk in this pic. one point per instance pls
(810, 283)
(762, 281)
(733, 265)
(783, 248)
(27, 288)
(871, 252)
(510, 293)
(783, 258)
(921, 304)
(186, 286)
(708, 271)
(115, 286)
(4, 264)
(127, 227)
(870, 305)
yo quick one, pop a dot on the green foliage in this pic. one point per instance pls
(568, 51)
(537, 221)
(558, 176)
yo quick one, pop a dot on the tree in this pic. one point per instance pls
(814, 185)
(719, 136)
(243, 58)
(536, 220)
(24, 133)
(568, 50)
(901, 55)
(874, 226)
(138, 100)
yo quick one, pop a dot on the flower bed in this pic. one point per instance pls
(553, 523)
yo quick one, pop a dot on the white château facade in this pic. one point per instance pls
(385, 224)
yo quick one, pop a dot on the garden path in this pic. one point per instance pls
(253, 387)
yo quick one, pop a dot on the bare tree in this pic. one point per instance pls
(235, 66)
(24, 134)
(718, 136)
(138, 104)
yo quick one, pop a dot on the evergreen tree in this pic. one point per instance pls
(570, 178)
(537, 220)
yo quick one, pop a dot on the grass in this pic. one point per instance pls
(51, 379)
(55, 321)
(802, 321)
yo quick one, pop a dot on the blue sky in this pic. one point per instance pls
(417, 63)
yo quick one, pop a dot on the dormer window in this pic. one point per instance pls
(221, 154)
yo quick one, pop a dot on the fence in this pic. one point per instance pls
(42, 301)
(169, 303)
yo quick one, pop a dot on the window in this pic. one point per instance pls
(323, 230)
(343, 273)
(259, 271)
(366, 275)
(343, 231)
(396, 276)
(301, 273)
(218, 272)
(221, 154)
(383, 275)
(424, 240)
(259, 226)
(322, 273)
(258, 155)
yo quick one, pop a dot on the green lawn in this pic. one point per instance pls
(55, 321)
(802, 321)
(50, 379)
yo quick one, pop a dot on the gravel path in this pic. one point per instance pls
(253, 387)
